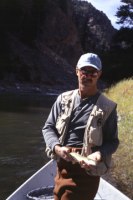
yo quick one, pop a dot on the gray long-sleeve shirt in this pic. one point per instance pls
(80, 114)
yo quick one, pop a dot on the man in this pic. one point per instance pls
(82, 121)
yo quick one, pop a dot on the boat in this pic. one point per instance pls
(43, 181)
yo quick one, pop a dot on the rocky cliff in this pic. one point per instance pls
(94, 28)
(42, 40)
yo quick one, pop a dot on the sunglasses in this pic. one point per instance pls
(92, 73)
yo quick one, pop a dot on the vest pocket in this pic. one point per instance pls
(95, 136)
(95, 129)
(61, 123)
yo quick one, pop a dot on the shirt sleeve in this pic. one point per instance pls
(49, 130)
(110, 135)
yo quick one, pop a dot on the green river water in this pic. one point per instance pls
(22, 148)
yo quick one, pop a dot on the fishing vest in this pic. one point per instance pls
(93, 135)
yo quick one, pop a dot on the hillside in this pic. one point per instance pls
(42, 40)
(122, 172)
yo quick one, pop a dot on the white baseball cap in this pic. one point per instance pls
(90, 59)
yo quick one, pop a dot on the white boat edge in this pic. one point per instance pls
(45, 177)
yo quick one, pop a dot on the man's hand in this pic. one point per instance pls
(63, 152)
(94, 156)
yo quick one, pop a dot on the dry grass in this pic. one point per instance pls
(122, 93)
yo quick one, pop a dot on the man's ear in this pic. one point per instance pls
(99, 74)
(76, 71)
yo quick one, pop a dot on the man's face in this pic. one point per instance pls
(88, 76)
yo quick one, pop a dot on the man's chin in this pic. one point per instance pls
(87, 83)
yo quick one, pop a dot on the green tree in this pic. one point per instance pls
(125, 13)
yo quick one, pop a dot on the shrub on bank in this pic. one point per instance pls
(122, 93)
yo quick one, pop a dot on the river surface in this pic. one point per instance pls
(22, 148)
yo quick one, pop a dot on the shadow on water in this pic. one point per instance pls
(22, 148)
(18, 103)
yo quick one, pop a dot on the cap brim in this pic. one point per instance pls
(88, 65)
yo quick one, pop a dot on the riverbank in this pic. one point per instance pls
(122, 172)
(27, 88)
(40, 89)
